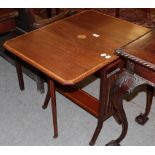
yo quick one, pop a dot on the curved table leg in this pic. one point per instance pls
(118, 104)
(47, 99)
(117, 118)
(143, 118)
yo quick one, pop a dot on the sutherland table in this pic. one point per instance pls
(70, 50)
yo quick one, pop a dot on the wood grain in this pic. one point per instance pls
(143, 50)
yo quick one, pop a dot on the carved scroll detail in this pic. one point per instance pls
(123, 53)
(131, 81)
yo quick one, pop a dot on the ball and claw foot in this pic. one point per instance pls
(141, 119)
(113, 143)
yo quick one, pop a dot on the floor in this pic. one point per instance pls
(24, 122)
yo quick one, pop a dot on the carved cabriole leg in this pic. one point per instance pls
(116, 117)
(53, 106)
(103, 100)
(143, 118)
(124, 84)
(119, 89)
(117, 101)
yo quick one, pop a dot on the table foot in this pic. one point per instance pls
(141, 119)
(44, 107)
(113, 143)
(91, 143)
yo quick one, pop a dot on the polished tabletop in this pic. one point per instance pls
(71, 49)
(142, 50)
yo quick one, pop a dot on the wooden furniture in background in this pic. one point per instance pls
(8, 24)
(7, 20)
(148, 12)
